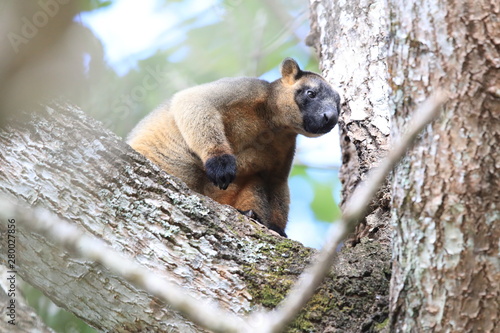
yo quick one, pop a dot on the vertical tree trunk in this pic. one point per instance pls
(446, 192)
(445, 205)
(351, 40)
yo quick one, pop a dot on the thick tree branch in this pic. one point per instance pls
(88, 247)
(64, 162)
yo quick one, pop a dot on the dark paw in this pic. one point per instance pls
(221, 170)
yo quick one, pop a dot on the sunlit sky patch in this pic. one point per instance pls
(132, 30)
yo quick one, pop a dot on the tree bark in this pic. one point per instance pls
(65, 162)
(446, 274)
(351, 40)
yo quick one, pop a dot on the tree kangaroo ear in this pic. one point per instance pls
(290, 70)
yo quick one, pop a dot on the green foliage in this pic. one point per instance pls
(58, 319)
(323, 205)
(299, 170)
(324, 183)
(89, 5)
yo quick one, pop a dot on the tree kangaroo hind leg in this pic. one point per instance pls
(252, 200)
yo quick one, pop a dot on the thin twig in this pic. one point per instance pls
(304, 289)
(69, 237)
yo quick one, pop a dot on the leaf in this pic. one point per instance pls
(89, 5)
(298, 170)
(323, 205)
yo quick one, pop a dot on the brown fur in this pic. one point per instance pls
(254, 120)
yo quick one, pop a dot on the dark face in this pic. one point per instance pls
(319, 105)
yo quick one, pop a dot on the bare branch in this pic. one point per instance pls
(304, 289)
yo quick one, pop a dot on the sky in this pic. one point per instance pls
(131, 32)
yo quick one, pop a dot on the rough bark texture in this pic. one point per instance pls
(351, 39)
(446, 275)
(65, 162)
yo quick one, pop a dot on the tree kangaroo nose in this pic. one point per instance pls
(328, 115)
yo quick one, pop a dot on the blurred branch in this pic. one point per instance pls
(287, 21)
(289, 24)
(310, 279)
(288, 30)
(23, 316)
(42, 54)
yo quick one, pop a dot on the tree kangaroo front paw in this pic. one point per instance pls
(221, 170)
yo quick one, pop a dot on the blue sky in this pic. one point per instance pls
(132, 30)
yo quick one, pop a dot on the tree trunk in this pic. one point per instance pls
(351, 41)
(65, 162)
(353, 58)
(446, 274)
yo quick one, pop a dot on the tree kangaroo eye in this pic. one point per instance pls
(311, 93)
